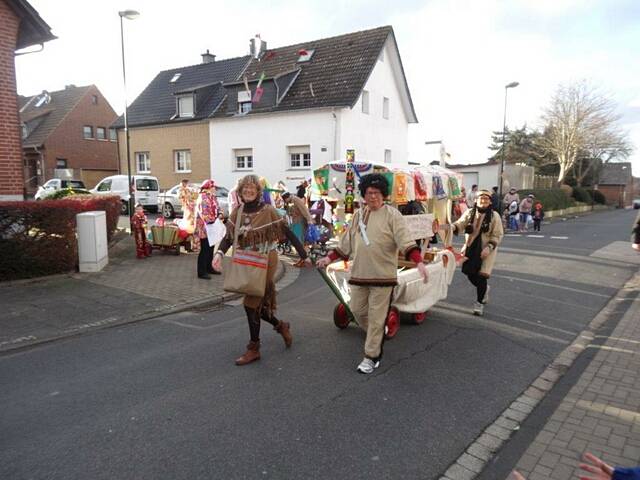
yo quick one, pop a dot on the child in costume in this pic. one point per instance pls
(138, 226)
(538, 216)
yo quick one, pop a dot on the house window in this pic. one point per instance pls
(113, 135)
(387, 156)
(365, 102)
(87, 132)
(244, 107)
(185, 106)
(143, 162)
(94, 99)
(61, 163)
(182, 161)
(243, 158)
(299, 156)
(175, 78)
(385, 108)
(101, 133)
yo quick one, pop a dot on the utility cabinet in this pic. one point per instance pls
(92, 241)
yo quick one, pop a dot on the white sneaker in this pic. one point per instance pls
(478, 309)
(485, 300)
(367, 366)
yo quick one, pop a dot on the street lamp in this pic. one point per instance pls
(504, 131)
(129, 15)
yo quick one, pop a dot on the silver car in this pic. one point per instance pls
(170, 206)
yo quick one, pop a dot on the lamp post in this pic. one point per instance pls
(504, 131)
(129, 15)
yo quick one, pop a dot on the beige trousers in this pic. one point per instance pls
(370, 306)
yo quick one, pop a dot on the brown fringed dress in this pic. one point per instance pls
(261, 230)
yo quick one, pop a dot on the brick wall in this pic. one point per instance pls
(161, 142)
(67, 140)
(618, 195)
(11, 170)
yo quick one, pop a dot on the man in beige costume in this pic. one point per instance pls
(376, 233)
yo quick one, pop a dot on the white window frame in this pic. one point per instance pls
(178, 168)
(296, 157)
(181, 112)
(387, 156)
(385, 108)
(84, 132)
(244, 155)
(104, 133)
(244, 107)
(147, 162)
(365, 102)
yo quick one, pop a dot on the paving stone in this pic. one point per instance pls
(480, 451)
(458, 472)
(470, 462)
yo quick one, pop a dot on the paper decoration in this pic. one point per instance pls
(454, 188)
(259, 90)
(390, 180)
(400, 189)
(438, 187)
(321, 181)
(420, 186)
(349, 182)
(419, 226)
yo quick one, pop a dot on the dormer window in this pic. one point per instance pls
(175, 78)
(305, 54)
(244, 102)
(185, 106)
(43, 99)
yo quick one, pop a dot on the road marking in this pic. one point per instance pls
(513, 235)
(535, 236)
(560, 238)
(553, 285)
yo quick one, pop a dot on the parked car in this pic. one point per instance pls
(145, 190)
(636, 203)
(170, 206)
(55, 184)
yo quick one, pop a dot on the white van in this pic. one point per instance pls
(145, 190)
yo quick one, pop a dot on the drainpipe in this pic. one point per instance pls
(335, 135)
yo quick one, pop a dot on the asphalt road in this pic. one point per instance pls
(162, 399)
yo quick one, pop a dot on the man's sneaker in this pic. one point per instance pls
(478, 309)
(485, 300)
(368, 366)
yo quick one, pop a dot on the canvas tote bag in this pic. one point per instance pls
(245, 271)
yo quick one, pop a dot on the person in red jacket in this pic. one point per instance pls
(138, 227)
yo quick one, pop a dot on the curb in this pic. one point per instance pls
(478, 454)
(75, 331)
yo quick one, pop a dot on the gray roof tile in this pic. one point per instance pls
(617, 173)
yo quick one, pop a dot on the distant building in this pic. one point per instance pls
(616, 184)
(20, 27)
(487, 175)
(66, 134)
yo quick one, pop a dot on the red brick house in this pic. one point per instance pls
(616, 184)
(20, 27)
(65, 134)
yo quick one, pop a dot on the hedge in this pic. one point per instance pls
(551, 198)
(39, 237)
(67, 192)
(582, 195)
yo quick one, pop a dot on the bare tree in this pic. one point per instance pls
(581, 121)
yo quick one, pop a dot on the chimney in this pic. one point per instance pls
(257, 47)
(208, 57)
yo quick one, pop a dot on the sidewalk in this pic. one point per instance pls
(600, 414)
(127, 290)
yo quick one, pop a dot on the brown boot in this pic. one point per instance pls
(251, 355)
(283, 328)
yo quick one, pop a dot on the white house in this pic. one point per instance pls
(487, 175)
(319, 99)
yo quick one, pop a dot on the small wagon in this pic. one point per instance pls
(166, 238)
(411, 295)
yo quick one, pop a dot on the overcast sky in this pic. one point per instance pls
(457, 54)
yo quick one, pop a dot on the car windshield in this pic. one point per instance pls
(221, 192)
(72, 184)
(146, 184)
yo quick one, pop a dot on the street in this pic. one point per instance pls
(162, 398)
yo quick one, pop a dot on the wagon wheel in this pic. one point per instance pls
(341, 317)
(418, 318)
(392, 325)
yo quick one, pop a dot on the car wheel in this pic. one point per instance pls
(124, 208)
(168, 211)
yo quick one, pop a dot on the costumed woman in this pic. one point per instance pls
(483, 231)
(206, 213)
(376, 234)
(139, 228)
(261, 228)
(187, 197)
